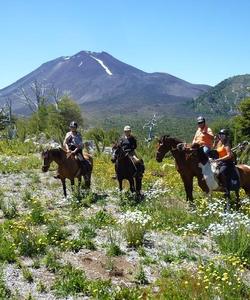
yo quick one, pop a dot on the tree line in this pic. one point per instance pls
(51, 113)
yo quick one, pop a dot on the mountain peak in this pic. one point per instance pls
(97, 79)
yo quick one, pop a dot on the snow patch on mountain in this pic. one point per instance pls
(80, 64)
(102, 64)
(66, 57)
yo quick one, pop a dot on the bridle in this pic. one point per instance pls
(45, 156)
(121, 153)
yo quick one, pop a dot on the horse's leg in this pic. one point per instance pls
(64, 186)
(228, 199)
(202, 184)
(237, 206)
(79, 184)
(87, 180)
(120, 184)
(138, 184)
(132, 184)
(72, 182)
(188, 185)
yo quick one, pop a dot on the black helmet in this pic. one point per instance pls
(73, 124)
(201, 119)
(224, 131)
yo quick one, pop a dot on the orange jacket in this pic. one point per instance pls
(204, 137)
(221, 151)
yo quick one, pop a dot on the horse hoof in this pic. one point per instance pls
(192, 205)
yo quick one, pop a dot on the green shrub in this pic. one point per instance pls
(29, 241)
(70, 281)
(114, 250)
(7, 248)
(56, 233)
(235, 242)
(51, 262)
(37, 214)
(134, 225)
(210, 282)
(9, 208)
(27, 275)
(102, 219)
(140, 275)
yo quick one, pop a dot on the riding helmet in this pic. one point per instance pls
(224, 131)
(73, 124)
(127, 128)
(201, 119)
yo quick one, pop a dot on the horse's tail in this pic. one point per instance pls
(89, 158)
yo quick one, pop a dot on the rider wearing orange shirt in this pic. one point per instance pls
(227, 172)
(204, 135)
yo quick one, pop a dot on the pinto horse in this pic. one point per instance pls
(208, 169)
(190, 162)
(185, 164)
(67, 167)
(125, 168)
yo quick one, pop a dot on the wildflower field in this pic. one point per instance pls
(103, 244)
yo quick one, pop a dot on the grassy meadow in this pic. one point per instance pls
(103, 244)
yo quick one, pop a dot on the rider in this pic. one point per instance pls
(204, 135)
(227, 173)
(74, 145)
(129, 143)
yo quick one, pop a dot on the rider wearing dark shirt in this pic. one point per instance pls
(129, 143)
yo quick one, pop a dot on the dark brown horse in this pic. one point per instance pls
(68, 167)
(125, 168)
(191, 162)
(186, 164)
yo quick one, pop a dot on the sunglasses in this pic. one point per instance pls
(200, 123)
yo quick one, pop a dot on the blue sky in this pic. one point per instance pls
(201, 41)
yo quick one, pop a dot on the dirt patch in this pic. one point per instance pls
(97, 265)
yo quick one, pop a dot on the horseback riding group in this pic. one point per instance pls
(209, 158)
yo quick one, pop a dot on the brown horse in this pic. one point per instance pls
(126, 169)
(67, 167)
(190, 162)
(186, 164)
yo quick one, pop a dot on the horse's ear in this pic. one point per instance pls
(164, 137)
(45, 153)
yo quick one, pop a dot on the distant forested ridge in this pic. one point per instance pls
(225, 97)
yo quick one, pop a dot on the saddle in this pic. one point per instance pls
(234, 175)
(138, 164)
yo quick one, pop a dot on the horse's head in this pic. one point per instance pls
(117, 153)
(47, 159)
(165, 144)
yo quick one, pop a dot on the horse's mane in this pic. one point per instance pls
(57, 151)
(168, 137)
